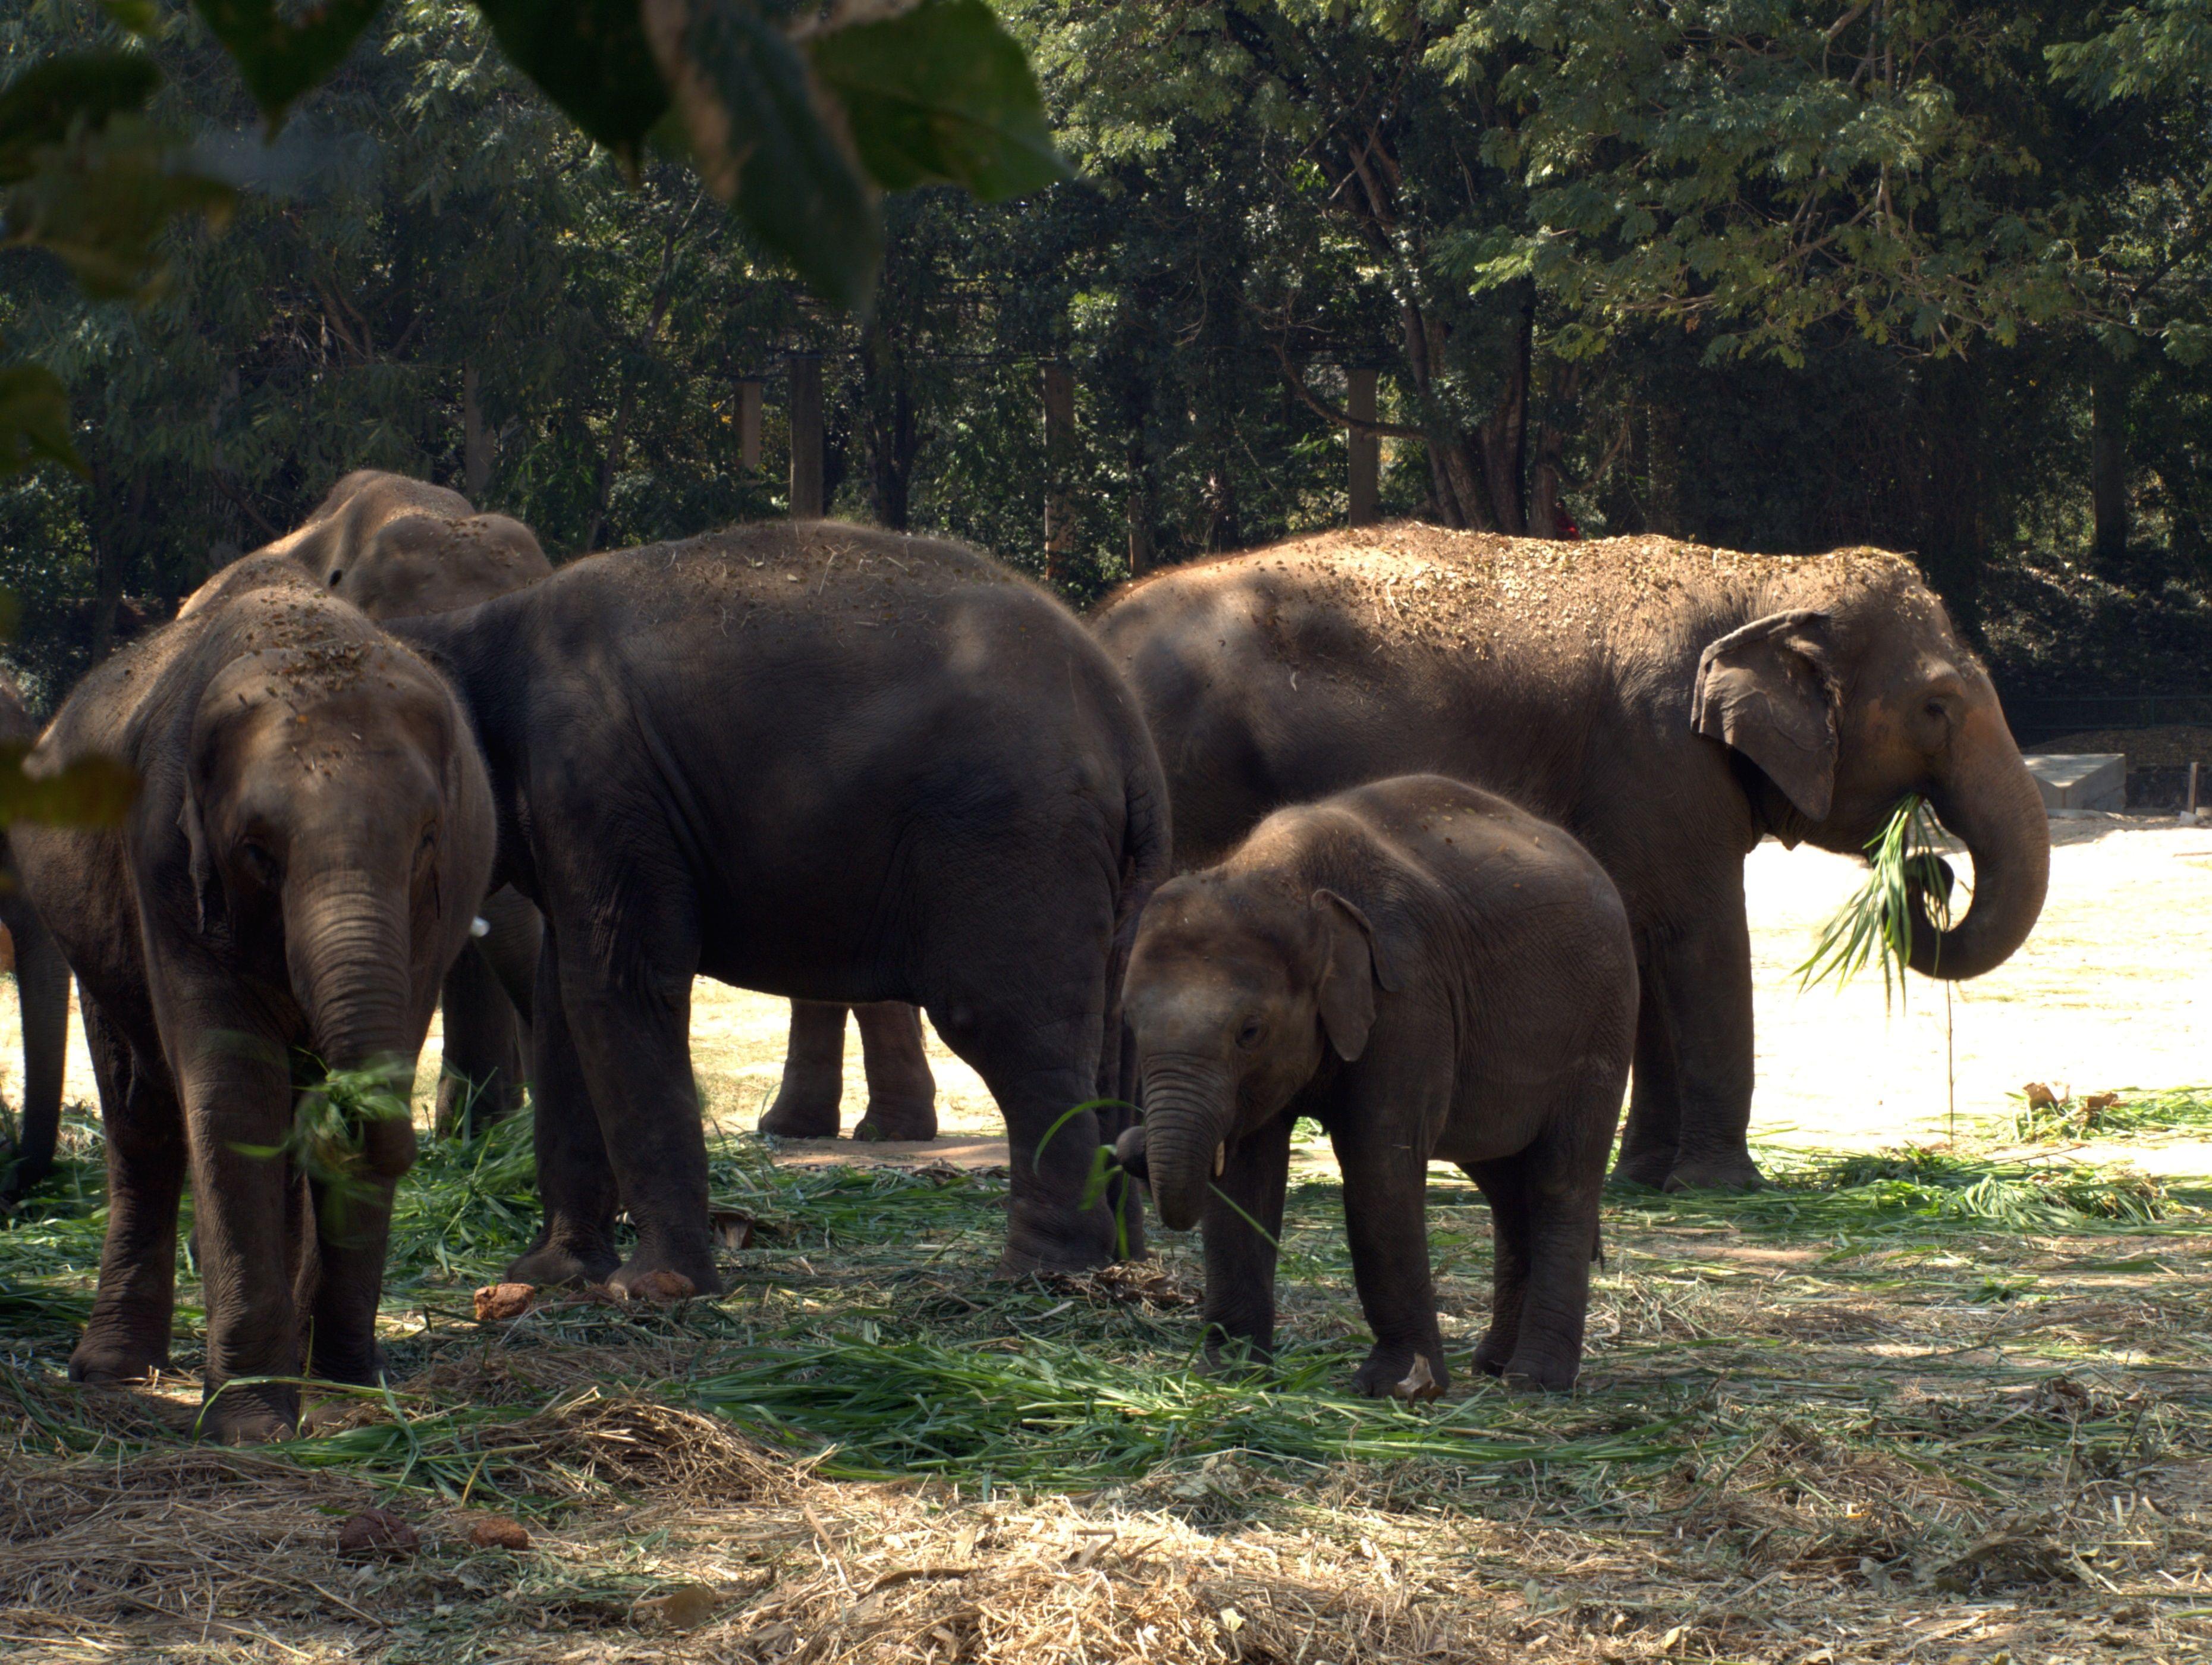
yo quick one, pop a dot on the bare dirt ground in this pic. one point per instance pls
(2113, 990)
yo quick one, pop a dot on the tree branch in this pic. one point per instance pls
(1329, 413)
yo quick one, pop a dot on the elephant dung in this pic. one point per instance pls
(377, 1532)
(497, 1302)
(499, 1531)
(683, 1608)
(663, 1289)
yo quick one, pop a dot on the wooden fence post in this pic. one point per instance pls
(805, 371)
(1363, 449)
(749, 424)
(1059, 450)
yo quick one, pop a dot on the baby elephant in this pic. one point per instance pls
(1429, 972)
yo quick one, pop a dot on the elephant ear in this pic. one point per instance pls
(1767, 690)
(207, 884)
(1353, 965)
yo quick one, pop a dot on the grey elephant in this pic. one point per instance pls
(395, 547)
(310, 842)
(42, 989)
(830, 763)
(1432, 973)
(1666, 703)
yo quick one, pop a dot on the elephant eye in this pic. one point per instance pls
(1249, 1035)
(258, 862)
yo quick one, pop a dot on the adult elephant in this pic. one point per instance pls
(830, 763)
(1668, 703)
(396, 547)
(311, 838)
(42, 986)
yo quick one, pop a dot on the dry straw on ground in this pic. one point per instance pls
(1917, 1407)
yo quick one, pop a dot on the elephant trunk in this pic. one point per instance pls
(1188, 1113)
(348, 945)
(1992, 804)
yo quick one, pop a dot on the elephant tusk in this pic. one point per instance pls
(1220, 1157)
(479, 927)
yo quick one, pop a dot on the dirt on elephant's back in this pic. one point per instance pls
(1452, 590)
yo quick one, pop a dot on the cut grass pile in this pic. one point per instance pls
(1909, 1407)
(2048, 1117)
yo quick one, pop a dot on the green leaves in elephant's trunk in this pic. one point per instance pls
(333, 1128)
(1907, 884)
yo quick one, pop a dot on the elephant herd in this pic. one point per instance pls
(1458, 830)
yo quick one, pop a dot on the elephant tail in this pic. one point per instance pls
(1146, 850)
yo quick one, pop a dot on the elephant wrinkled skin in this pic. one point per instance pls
(824, 762)
(1432, 975)
(1668, 704)
(311, 838)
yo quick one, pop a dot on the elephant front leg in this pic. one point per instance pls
(813, 1084)
(238, 1105)
(1386, 1219)
(352, 1230)
(575, 1180)
(1703, 988)
(127, 1336)
(1243, 1227)
(901, 1091)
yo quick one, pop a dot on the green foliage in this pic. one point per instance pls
(940, 95)
(1905, 875)
(280, 59)
(593, 59)
(327, 1140)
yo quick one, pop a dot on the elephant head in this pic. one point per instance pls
(1238, 988)
(1859, 694)
(339, 834)
(399, 548)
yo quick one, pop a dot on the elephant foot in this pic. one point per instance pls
(352, 1367)
(1492, 1353)
(894, 1118)
(101, 1360)
(1734, 1172)
(553, 1264)
(1413, 1374)
(1079, 1245)
(804, 1112)
(1531, 1371)
(1648, 1169)
(652, 1273)
(258, 1415)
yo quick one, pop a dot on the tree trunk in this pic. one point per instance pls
(1505, 435)
(1142, 551)
(1363, 451)
(888, 405)
(2108, 458)
(1058, 389)
(805, 375)
(476, 439)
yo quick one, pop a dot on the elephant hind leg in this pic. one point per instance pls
(480, 1077)
(813, 1083)
(42, 984)
(901, 1091)
(575, 1181)
(1651, 1142)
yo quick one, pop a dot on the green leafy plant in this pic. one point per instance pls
(1877, 923)
(797, 116)
(328, 1140)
